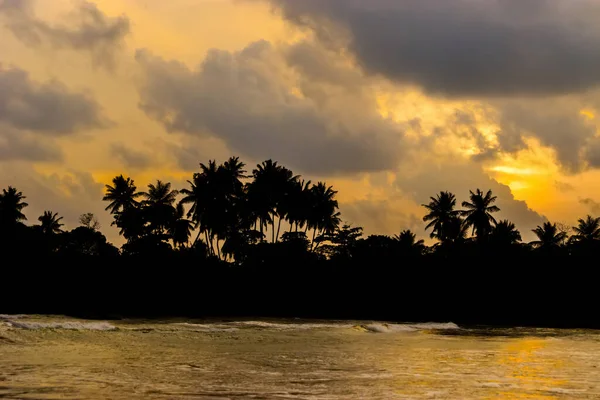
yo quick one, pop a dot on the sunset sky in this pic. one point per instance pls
(389, 101)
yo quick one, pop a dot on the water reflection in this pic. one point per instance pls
(531, 370)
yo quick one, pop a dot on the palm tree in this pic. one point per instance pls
(260, 192)
(478, 213)
(441, 213)
(202, 195)
(587, 231)
(121, 194)
(160, 194)
(181, 228)
(456, 231)
(269, 194)
(408, 243)
(50, 223)
(297, 200)
(11, 207)
(505, 233)
(549, 237)
(158, 205)
(324, 218)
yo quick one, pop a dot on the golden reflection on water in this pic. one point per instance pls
(529, 373)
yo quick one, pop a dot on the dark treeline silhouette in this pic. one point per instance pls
(268, 243)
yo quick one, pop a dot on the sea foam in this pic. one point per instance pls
(67, 325)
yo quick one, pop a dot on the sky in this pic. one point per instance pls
(389, 101)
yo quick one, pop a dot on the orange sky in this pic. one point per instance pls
(184, 31)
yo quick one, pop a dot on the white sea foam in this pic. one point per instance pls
(9, 317)
(396, 328)
(291, 326)
(436, 326)
(207, 327)
(67, 325)
(375, 327)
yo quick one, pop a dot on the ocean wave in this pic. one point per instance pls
(280, 326)
(206, 327)
(66, 325)
(397, 328)
(375, 327)
(9, 317)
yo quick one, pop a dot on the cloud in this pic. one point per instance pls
(247, 99)
(87, 28)
(382, 217)
(556, 122)
(592, 153)
(19, 145)
(563, 186)
(70, 194)
(593, 205)
(45, 107)
(130, 157)
(465, 47)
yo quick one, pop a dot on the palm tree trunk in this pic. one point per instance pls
(197, 237)
(278, 227)
(313, 239)
(212, 244)
(273, 229)
(218, 248)
(261, 229)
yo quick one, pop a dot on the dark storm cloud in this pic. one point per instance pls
(592, 153)
(466, 47)
(244, 99)
(45, 107)
(87, 28)
(19, 145)
(556, 123)
(130, 157)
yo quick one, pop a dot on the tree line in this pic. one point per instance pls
(266, 242)
(228, 214)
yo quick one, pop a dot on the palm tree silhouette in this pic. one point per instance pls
(297, 202)
(260, 192)
(324, 218)
(505, 233)
(549, 237)
(121, 194)
(269, 194)
(181, 228)
(478, 213)
(587, 231)
(456, 231)
(158, 206)
(11, 207)
(204, 199)
(50, 223)
(408, 243)
(441, 213)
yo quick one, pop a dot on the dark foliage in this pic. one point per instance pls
(272, 244)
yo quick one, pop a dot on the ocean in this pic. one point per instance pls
(65, 358)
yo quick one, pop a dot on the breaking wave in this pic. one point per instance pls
(206, 327)
(394, 328)
(281, 326)
(67, 325)
(9, 317)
